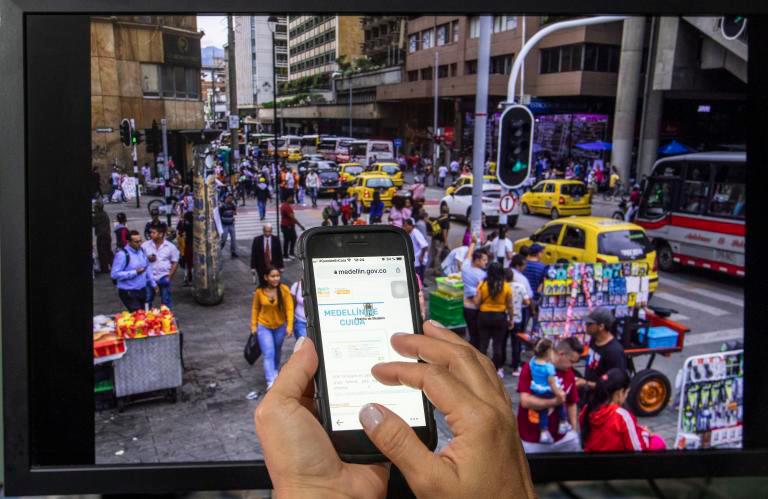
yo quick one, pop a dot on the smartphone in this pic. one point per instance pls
(359, 289)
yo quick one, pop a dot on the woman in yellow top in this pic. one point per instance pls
(272, 319)
(494, 299)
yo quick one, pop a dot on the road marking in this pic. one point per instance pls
(691, 304)
(714, 337)
(679, 318)
(739, 302)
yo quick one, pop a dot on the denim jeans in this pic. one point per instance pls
(299, 328)
(229, 230)
(560, 411)
(271, 342)
(313, 196)
(301, 195)
(164, 283)
(262, 209)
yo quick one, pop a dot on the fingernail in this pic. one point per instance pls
(435, 323)
(298, 344)
(370, 417)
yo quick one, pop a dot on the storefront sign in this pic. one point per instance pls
(181, 50)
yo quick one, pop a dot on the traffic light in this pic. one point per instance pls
(137, 137)
(154, 139)
(515, 146)
(125, 132)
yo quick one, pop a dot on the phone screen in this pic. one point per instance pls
(361, 303)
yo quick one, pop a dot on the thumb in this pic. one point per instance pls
(399, 443)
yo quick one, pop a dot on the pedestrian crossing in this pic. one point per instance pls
(248, 224)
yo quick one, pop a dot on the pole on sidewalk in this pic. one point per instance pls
(234, 133)
(434, 124)
(481, 118)
(134, 156)
(166, 173)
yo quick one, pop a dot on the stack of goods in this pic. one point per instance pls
(712, 401)
(446, 305)
(140, 324)
(571, 290)
(106, 343)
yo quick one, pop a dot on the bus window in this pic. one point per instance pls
(729, 191)
(696, 188)
(658, 199)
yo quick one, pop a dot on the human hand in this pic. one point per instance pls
(289, 332)
(463, 384)
(474, 238)
(152, 258)
(297, 451)
(580, 382)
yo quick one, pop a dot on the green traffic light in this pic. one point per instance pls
(519, 166)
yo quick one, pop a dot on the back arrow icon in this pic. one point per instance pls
(338, 422)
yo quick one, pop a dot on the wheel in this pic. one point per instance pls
(617, 215)
(666, 257)
(512, 221)
(554, 214)
(155, 204)
(649, 393)
(525, 209)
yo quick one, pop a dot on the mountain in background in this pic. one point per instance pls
(212, 56)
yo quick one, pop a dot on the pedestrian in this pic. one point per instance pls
(605, 351)
(101, 228)
(313, 186)
(185, 232)
(146, 174)
(607, 427)
(614, 182)
(114, 183)
(242, 186)
(466, 240)
(535, 269)
(418, 190)
(442, 172)
(544, 385)
(131, 270)
(454, 170)
(398, 212)
(377, 208)
(439, 231)
(451, 264)
(96, 183)
(567, 354)
(422, 218)
(154, 221)
(265, 253)
(501, 248)
(346, 209)
(271, 320)
(472, 274)
(121, 231)
(302, 184)
(164, 257)
(288, 225)
(495, 313)
(420, 247)
(289, 183)
(227, 215)
(334, 211)
(299, 316)
(262, 196)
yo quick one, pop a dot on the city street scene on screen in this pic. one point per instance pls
(574, 191)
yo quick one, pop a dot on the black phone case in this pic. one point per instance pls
(309, 307)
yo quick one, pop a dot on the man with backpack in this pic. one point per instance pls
(227, 213)
(132, 273)
(121, 232)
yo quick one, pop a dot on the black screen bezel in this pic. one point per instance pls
(63, 127)
(358, 241)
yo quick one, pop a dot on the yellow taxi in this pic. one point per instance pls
(294, 153)
(467, 180)
(557, 198)
(594, 240)
(349, 171)
(390, 169)
(365, 184)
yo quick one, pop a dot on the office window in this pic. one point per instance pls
(427, 40)
(501, 64)
(571, 58)
(413, 43)
(193, 83)
(504, 23)
(166, 81)
(511, 22)
(474, 27)
(442, 35)
(604, 58)
(470, 67)
(455, 31)
(454, 69)
(150, 82)
(413, 75)
(550, 61)
(442, 71)
(426, 74)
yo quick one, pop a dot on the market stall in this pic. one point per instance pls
(137, 353)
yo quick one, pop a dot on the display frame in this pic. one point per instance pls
(30, 188)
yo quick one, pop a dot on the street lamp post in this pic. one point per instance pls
(272, 24)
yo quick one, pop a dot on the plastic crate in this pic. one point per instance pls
(658, 337)
(450, 287)
(102, 386)
(450, 320)
(105, 348)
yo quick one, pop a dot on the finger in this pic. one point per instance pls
(295, 378)
(461, 360)
(396, 440)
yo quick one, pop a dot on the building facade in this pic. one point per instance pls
(316, 43)
(146, 68)
(384, 39)
(253, 59)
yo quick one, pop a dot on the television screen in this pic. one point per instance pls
(619, 327)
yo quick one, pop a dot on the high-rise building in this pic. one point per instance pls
(384, 39)
(315, 43)
(253, 59)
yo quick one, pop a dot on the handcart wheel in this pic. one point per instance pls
(649, 393)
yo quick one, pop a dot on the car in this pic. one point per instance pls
(349, 171)
(365, 184)
(294, 154)
(467, 179)
(390, 169)
(313, 157)
(556, 198)
(322, 165)
(330, 182)
(594, 240)
(459, 204)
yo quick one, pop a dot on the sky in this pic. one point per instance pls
(215, 28)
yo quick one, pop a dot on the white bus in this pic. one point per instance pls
(364, 151)
(309, 144)
(328, 145)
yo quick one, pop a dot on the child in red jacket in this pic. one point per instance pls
(607, 427)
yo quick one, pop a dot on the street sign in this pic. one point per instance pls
(398, 142)
(507, 203)
(104, 129)
(515, 146)
(732, 27)
(234, 121)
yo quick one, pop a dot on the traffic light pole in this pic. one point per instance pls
(134, 155)
(481, 118)
(166, 170)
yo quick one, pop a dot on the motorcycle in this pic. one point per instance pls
(621, 212)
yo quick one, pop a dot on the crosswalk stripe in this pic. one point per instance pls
(708, 309)
(733, 300)
(714, 337)
(679, 318)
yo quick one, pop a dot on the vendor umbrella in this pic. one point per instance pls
(673, 148)
(595, 146)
